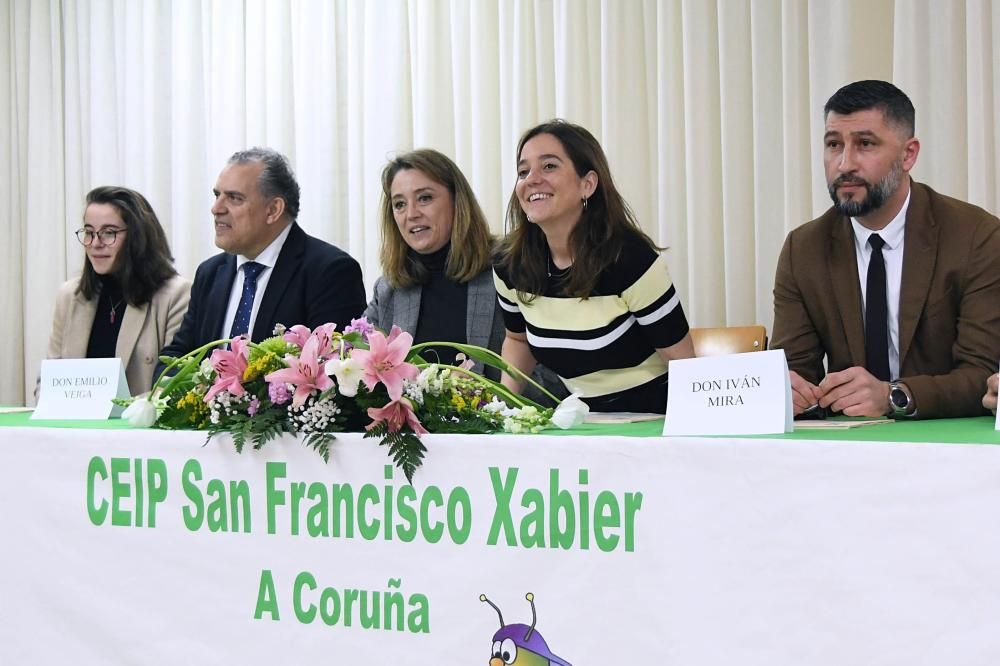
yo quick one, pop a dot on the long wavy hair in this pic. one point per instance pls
(144, 262)
(471, 241)
(596, 241)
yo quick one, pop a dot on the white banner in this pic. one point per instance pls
(143, 547)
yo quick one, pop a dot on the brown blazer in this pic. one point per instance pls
(145, 329)
(949, 311)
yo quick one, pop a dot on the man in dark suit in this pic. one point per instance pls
(270, 270)
(897, 286)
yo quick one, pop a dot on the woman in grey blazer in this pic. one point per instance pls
(436, 281)
(129, 300)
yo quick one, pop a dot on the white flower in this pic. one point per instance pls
(570, 412)
(314, 416)
(141, 413)
(432, 379)
(348, 373)
(494, 406)
(424, 378)
(205, 372)
(413, 391)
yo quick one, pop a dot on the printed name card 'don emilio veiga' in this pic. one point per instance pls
(81, 389)
(736, 394)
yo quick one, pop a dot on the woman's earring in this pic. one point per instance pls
(585, 204)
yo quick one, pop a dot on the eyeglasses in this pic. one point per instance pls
(107, 236)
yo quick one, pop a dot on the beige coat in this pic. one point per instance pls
(144, 332)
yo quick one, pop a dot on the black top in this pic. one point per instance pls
(443, 308)
(604, 347)
(107, 320)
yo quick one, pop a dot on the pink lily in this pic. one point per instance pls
(297, 335)
(395, 415)
(229, 367)
(464, 362)
(385, 361)
(395, 332)
(325, 335)
(305, 373)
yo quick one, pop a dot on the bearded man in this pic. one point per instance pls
(896, 287)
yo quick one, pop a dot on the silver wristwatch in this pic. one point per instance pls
(900, 404)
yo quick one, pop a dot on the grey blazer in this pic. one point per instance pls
(483, 323)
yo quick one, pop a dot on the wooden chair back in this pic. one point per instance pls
(728, 340)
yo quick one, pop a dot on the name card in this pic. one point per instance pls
(81, 389)
(736, 394)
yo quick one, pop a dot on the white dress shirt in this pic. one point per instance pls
(267, 258)
(892, 253)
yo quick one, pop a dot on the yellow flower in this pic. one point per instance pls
(186, 399)
(260, 367)
(196, 404)
(458, 401)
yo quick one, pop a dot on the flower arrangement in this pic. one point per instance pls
(322, 381)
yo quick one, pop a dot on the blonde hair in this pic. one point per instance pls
(471, 242)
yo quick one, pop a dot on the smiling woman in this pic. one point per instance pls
(129, 300)
(582, 288)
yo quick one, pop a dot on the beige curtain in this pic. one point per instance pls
(710, 113)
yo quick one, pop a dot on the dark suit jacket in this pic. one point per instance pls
(313, 283)
(949, 310)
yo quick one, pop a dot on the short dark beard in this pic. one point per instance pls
(876, 195)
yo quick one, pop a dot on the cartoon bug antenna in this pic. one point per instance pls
(482, 597)
(534, 618)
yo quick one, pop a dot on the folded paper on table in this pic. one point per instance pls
(621, 417)
(838, 425)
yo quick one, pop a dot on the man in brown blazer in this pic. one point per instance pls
(896, 286)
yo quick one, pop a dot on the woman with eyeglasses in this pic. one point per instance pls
(129, 300)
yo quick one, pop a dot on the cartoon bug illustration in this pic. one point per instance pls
(519, 644)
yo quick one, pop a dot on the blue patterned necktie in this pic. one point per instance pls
(241, 323)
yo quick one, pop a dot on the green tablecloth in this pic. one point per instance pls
(977, 430)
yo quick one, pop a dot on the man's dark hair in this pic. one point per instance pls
(895, 106)
(276, 179)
